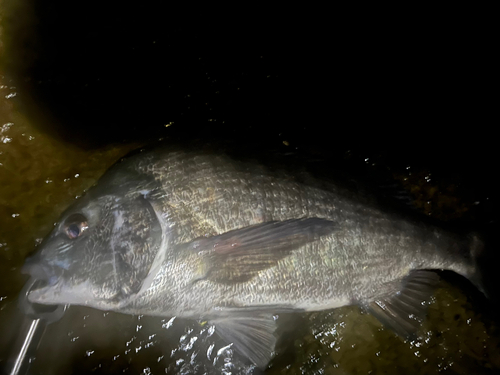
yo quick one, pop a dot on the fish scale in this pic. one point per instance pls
(270, 194)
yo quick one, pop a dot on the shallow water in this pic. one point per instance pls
(41, 175)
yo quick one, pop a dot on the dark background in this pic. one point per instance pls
(108, 73)
(403, 87)
(400, 86)
(407, 86)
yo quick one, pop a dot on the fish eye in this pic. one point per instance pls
(75, 225)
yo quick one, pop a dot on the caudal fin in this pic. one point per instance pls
(486, 257)
(476, 252)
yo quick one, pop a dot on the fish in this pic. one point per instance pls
(202, 232)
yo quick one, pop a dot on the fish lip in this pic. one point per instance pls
(36, 293)
(35, 289)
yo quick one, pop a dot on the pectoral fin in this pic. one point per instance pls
(238, 255)
(252, 335)
(404, 311)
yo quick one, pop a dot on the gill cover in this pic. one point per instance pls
(134, 242)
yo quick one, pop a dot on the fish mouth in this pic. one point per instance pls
(31, 301)
(38, 289)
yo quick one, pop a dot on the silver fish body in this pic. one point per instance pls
(200, 234)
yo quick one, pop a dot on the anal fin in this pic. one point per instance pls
(252, 335)
(404, 311)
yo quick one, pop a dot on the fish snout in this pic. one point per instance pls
(41, 271)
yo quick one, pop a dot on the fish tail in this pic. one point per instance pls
(485, 255)
(477, 249)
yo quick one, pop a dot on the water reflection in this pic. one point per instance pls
(133, 344)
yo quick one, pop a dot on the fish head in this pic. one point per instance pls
(98, 254)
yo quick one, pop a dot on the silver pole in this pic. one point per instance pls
(37, 317)
(27, 345)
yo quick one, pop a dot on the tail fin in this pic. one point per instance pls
(485, 254)
(476, 248)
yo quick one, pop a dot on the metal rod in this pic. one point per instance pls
(37, 317)
(26, 345)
